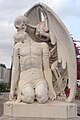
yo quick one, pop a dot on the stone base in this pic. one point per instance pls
(50, 110)
(11, 118)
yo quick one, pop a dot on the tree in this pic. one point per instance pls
(2, 65)
(4, 86)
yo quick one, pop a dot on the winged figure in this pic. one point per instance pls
(44, 26)
(60, 42)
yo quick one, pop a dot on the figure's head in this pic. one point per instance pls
(20, 22)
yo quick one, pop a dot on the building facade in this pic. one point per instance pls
(4, 74)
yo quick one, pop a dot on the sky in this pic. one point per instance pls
(67, 10)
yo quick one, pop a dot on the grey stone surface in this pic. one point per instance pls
(3, 98)
(10, 118)
(50, 109)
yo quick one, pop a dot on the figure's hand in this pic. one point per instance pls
(12, 95)
(52, 95)
(37, 32)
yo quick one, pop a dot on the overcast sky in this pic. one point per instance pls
(67, 10)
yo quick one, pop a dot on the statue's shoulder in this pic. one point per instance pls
(17, 46)
(44, 45)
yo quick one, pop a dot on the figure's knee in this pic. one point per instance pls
(41, 95)
(27, 99)
(42, 99)
(28, 95)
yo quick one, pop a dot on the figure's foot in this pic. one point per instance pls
(17, 101)
(61, 97)
(69, 100)
(71, 97)
(42, 99)
(52, 95)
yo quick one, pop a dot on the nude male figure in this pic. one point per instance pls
(31, 74)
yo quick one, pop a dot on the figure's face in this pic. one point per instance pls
(20, 23)
(19, 36)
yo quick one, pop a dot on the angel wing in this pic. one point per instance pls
(60, 37)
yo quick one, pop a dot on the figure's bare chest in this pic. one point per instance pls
(30, 49)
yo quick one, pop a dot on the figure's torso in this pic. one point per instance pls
(30, 56)
(31, 61)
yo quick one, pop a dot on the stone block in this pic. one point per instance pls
(51, 109)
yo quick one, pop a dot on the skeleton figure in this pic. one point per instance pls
(20, 25)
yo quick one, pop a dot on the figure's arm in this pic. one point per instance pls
(42, 33)
(15, 73)
(47, 71)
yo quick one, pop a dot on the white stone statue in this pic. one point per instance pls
(43, 58)
(30, 68)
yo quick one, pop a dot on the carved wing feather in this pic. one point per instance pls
(65, 48)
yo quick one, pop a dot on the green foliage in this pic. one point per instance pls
(3, 65)
(4, 86)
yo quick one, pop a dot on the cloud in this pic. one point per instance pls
(5, 56)
(64, 7)
(6, 31)
(67, 10)
(6, 50)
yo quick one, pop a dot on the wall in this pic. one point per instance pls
(4, 74)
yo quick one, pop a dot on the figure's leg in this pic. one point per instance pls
(55, 70)
(28, 94)
(41, 93)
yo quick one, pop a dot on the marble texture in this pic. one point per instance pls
(54, 110)
(29, 60)
(15, 118)
(43, 58)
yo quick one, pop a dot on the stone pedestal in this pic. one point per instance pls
(15, 118)
(53, 110)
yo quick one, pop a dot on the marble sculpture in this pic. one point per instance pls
(44, 61)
